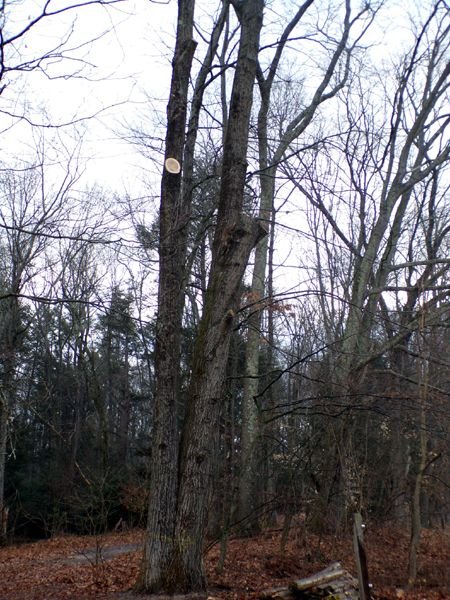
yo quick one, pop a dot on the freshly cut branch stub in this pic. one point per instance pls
(172, 165)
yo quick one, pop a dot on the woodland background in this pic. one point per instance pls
(335, 393)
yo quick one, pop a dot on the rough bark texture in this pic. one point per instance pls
(236, 235)
(176, 202)
(173, 222)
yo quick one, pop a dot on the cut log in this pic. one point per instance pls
(333, 582)
(331, 573)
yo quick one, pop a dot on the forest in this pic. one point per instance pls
(252, 333)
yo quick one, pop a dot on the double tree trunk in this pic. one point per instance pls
(236, 235)
(180, 492)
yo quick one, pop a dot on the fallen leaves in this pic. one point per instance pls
(105, 567)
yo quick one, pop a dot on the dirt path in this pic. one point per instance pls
(99, 554)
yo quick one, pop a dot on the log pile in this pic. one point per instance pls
(333, 583)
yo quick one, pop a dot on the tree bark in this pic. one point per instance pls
(236, 234)
(164, 475)
(416, 504)
(416, 517)
(176, 200)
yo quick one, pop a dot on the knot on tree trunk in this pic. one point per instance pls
(243, 229)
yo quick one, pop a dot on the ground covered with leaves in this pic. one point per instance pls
(105, 567)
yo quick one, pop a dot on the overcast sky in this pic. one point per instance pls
(124, 79)
(121, 72)
(126, 69)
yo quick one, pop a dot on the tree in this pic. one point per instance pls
(173, 562)
(118, 339)
(26, 215)
(173, 218)
(15, 54)
(372, 195)
(25, 224)
(34, 226)
(12, 328)
(292, 125)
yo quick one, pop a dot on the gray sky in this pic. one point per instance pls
(120, 72)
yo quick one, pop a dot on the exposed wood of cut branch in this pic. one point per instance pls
(334, 571)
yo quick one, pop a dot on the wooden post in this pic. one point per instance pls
(360, 557)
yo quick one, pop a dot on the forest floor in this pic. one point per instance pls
(105, 567)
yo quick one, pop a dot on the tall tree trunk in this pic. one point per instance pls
(270, 429)
(250, 429)
(416, 519)
(268, 166)
(176, 200)
(164, 473)
(236, 235)
(416, 505)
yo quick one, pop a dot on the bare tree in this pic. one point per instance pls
(173, 562)
(29, 215)
(15, 54)
(373, 197)
(293, 124)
